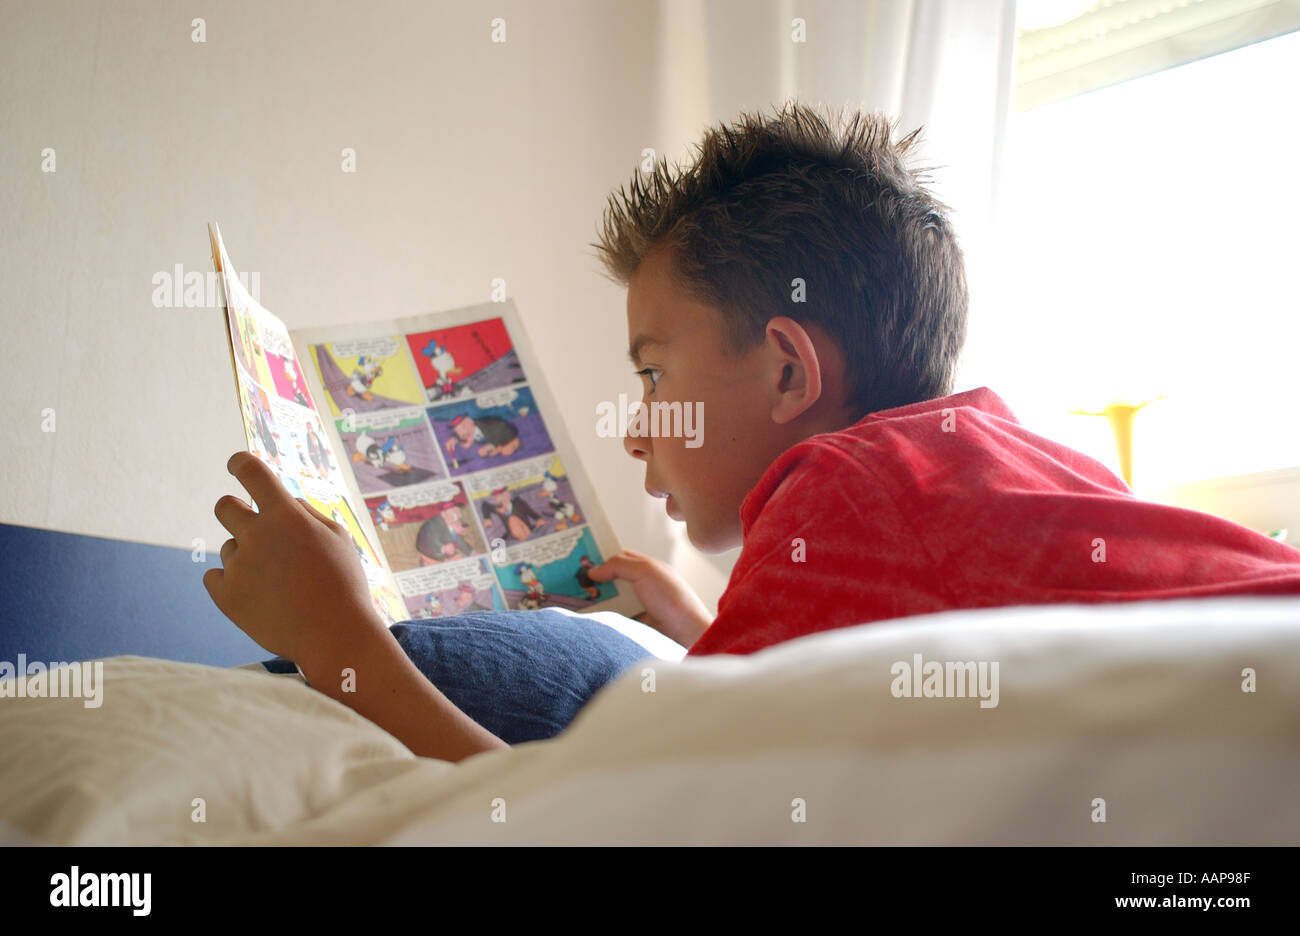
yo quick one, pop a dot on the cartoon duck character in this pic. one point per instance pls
(536, 591)
(389, 455)
(383, 514)
(367, 371)
(444, 366)
(291, 375)
(565, 512)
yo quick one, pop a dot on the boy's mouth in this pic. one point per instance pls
(670, 505)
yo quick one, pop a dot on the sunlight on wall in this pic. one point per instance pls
(1148, 245)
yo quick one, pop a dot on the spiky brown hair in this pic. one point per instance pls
(806, 194)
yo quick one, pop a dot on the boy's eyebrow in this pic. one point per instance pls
(638, 343)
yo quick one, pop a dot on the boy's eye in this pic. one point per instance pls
(652, 373)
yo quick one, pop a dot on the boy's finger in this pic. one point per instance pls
(258, 480)
(612, 568)
(233, 514)
(214, 582)
(314, 512)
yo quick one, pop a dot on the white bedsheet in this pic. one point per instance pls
(1137, 705)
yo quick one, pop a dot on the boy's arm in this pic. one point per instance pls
(378, 681)
(292, 581)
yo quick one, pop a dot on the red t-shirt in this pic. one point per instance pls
(951, 503)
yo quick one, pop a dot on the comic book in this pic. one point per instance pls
(435, 441)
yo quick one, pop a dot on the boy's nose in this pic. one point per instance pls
(636, 446)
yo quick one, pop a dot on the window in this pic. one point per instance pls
(1067, 47)
(1148, 244)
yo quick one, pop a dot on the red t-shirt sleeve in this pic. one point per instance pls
(825, 546)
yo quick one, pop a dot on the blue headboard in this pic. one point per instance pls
(67, 597)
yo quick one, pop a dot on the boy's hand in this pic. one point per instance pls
(292, 579)
(671, 605)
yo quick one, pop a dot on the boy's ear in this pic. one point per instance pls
(797, 382)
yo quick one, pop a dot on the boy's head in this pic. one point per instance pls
(794, 278)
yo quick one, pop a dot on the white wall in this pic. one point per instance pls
(474, 161)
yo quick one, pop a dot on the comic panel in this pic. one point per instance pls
(245, 335)
(302, 445)
(390, 450)
(289, 438)
(553, 571)
(465, 360)
(451, 588)
(287, 378)
(498, 428)
(525, 500)
(366, 375)
(260, 429)
(333, 505)
(425, 526)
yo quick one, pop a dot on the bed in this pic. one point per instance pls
(1132, 723)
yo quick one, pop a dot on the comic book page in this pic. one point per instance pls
(445, 427)
(284, 429)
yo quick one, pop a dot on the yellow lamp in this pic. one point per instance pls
(1120, 413)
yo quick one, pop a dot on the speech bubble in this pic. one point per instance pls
(421, 496)
(507, 475)
(369, 347)
(496, 398)
(353, 421)
(321, 490)
(291, 416)
(276, 340)
(545, 551)
(444, 577)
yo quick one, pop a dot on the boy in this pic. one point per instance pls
(800, 281)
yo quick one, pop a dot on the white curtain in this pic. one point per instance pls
(946, 65)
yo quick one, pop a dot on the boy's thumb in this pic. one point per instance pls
(214, 582)
(604, 572)
(618, 567)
